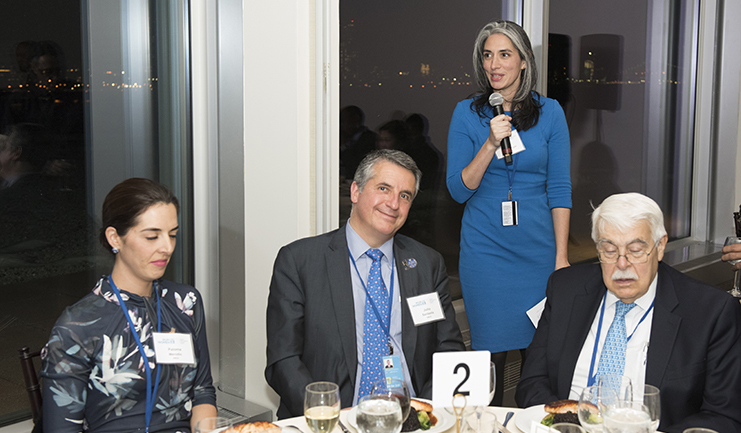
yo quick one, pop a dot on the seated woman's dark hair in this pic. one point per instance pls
(129, 199)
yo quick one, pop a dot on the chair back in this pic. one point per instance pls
(31, 379)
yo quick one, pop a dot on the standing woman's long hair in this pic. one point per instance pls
(525, 108)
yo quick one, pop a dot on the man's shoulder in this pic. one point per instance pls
(573, 275)
(313, 242)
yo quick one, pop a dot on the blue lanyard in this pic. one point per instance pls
(385, 325)
(151, 395)
(511, 179)
(592, 378)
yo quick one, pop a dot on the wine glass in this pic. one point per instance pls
(322, 406)
(627, 417)
(379, 414)
(592, 404)
(652, 400)
(698, 430)
(397, 388)
(213, 424)
(736, 290)
(622, 385)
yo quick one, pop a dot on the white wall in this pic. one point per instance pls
(278, 88)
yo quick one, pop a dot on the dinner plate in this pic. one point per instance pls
(444, 419)
(525, 417)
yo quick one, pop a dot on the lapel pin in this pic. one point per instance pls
(409, 264)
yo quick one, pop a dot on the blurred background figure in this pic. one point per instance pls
(356, 140)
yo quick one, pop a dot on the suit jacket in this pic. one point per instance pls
(311, 318)
(694, 354)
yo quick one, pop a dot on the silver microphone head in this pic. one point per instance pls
(496, 99)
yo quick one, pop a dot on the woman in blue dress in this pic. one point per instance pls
(516, 221)
(107, 366)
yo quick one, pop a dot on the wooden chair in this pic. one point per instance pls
(32, 379)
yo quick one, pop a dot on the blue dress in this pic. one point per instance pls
(504, 270)
(93, 375)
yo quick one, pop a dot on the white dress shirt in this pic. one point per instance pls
(636, 350)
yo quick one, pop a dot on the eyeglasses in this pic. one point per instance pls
(634, 257)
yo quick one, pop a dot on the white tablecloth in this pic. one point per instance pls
(300, 422)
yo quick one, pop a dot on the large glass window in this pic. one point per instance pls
(624, 74)
(91, 93)
(404, 66)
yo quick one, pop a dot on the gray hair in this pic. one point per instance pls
(521, 42)
(366, 169)
(625, 211)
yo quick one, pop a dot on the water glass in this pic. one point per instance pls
(567, 427)
(652, 400)
(592, 404)
(627, 417)
(379, 414)
(622, 385)
(322, 406)
(397, 388)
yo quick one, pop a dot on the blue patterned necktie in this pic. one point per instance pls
(612, 359)
(375, 341)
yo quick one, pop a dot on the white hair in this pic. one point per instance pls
(625, 211)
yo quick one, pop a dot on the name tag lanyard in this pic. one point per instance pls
(511, 179)
(151, 394)
(592, 376)
(385, 324)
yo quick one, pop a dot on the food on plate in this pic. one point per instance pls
(424, 416)
(252, 427)
(412, 422)
(562, 411)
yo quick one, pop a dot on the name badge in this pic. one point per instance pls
(173, 348)
(515, 141)
(509, 213)
(426, 308)
(392, 368)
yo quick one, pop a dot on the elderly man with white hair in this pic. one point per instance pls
(669, 330)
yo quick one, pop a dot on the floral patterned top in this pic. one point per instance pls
(93, 375)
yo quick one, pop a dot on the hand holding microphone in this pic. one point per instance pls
(496, 101)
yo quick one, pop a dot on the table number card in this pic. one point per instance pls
(464, 373)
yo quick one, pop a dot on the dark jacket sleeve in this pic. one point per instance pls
(535, 386)
(285, 371)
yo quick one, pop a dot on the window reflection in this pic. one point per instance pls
(85, 102)
(404, 68)
(619, 71)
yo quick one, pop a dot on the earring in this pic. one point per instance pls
(115, 250)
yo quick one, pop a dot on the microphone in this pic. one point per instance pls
(496, 100)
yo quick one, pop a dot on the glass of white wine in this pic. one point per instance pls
(322, 406)
(379, 414)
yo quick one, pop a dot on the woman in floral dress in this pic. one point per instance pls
(109, 363)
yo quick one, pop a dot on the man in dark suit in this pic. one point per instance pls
(683, 336)
(315, 315)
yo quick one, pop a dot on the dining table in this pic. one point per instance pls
(500, 413)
